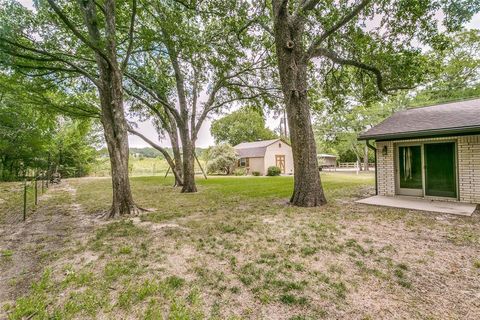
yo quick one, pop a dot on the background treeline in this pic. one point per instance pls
(35, 136)
(146, 152)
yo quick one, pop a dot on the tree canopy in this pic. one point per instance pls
(36, 133)
(244, 125)
(338, 124)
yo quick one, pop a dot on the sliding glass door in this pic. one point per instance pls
(427, 169)
(440, 170)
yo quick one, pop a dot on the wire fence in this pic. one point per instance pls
(18, 200)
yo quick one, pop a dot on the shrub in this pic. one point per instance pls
(221, 159)
(239, 172)
(255, 173)
(273, 171)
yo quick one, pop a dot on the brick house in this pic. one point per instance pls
(431, 152)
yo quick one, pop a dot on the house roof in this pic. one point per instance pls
(324, 155)
(254, 149)
(452, 118)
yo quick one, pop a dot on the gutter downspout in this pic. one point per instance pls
(375, 153)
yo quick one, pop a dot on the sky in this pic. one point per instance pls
(204, 137)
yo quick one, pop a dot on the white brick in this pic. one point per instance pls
(468, 166)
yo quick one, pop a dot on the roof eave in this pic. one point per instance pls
(421, 134)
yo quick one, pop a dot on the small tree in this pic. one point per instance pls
(221, 159)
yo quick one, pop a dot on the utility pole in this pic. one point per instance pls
(283, 126)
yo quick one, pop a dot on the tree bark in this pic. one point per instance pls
(112, 110)
(189, 184)
(115, 131)
(177, 158)
(308, 191)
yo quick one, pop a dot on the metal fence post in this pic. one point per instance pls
(24, 199)
(36, 192)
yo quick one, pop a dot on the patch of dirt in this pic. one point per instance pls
(50, 230)
(157, 226)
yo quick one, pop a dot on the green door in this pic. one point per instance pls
(440, 170)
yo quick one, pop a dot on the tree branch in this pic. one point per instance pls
(76, 32)
(353, 13)
(53, 56)
(148, 105)
(154, 95)
(305, 6)
(165, 153)
(322, 52)
(130, 35)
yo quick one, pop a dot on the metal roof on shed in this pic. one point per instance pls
(254, 149)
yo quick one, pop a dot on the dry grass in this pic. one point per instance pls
(236, 250)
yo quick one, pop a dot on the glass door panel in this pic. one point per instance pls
(440, 170)
(410, 170)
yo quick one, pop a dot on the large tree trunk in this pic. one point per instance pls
(115, 131)
(308, 191)
(177, 156)
(188, 166)
(111, 102)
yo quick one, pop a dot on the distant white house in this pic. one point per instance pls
(259, 155)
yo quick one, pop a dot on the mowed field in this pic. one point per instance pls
(140, 167)
(235, 250)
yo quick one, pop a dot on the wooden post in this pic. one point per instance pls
(195, 155)
(24, 199)
(43, 183)
(166, 174)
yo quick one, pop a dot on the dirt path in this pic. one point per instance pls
(55, 227)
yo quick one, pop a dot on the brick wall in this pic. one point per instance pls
(469, 168)
(385, 169)
(468, 148)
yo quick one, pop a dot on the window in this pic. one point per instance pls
(243, 162)
(279, 144)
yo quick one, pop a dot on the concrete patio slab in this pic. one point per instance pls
(422, 204)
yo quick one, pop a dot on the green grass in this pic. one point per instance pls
(138, 167)
(11, 200)
(236, 250)
(231, 190)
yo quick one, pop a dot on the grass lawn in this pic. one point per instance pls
(237, 250)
